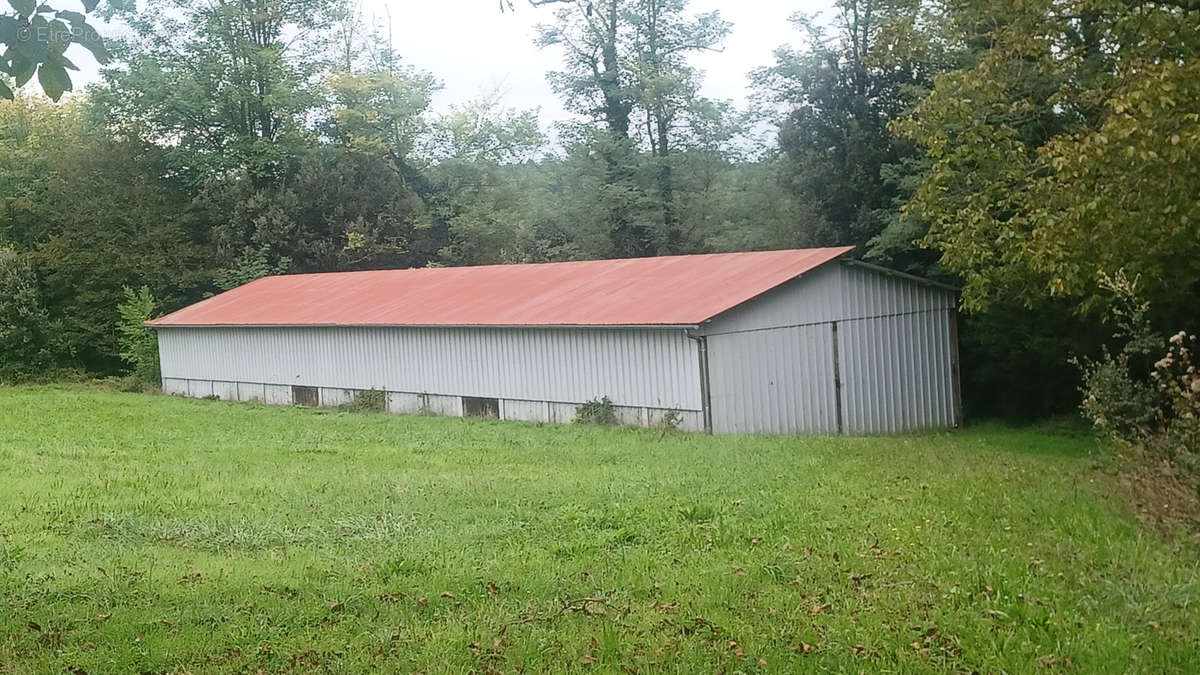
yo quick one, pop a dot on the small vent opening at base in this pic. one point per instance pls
(306, 396)
(481, 407)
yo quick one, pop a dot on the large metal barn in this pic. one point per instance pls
(774, 342)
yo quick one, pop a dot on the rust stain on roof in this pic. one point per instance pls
(664, 291)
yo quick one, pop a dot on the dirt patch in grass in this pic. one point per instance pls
(1164, 496)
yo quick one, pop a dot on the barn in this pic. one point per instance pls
(775, 342)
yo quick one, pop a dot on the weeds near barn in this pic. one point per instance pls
(149, 533)
(597, 411)
(367, 401)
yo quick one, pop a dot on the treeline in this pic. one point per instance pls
(1026, 151)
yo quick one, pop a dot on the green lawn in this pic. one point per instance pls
(145, 533)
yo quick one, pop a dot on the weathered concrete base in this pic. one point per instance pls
(332, 398)
(406, 403)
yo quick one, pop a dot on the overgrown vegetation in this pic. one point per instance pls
(1152, 411)
(367, 401)
(29, 344)
(670, 421)
(138, 343)
(596, 411)
(158, 534)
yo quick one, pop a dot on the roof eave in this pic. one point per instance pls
(902, 275)
(645, 326)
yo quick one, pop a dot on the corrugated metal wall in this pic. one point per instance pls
(771, 361)
(773, 381)
(896, 373)
(656, 368)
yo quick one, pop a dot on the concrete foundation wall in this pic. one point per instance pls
(407, 403)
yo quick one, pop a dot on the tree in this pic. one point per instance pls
(1066, 153)
(627, 59)
(839, 93)
(139, 344)
(29, 342)
(664, 34)
(93, 214)
(36, 38)
(227, 85)
(480, 156)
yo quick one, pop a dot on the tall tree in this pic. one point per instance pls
(838, 94)
(94, 214)
(1068, 151)
(596, 83)
(626, 59)
(29, 341)
(480, 157)
(664, 34)
(227, 84)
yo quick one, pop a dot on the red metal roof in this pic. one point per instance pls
(672, 290)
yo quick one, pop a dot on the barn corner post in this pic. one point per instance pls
(705, 389)
(955, 369)
(837, 380)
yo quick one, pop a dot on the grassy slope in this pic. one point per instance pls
(149, 533)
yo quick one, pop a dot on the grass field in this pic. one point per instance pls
(148, 534)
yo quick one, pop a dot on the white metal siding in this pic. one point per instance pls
(813, 298)
(868, 293)
(771, 360)
(656, 368)
(774, 381)
(896, 373)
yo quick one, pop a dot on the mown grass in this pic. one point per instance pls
(149, 534)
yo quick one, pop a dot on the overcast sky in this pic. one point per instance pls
(473, 48)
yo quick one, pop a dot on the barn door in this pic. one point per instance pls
(775, 381)
(897, 373)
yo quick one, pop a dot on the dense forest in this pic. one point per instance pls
(1042, 155)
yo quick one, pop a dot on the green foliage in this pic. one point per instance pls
(532, 541)
(224, 86)
(367, 401)
(254, 264)
(30, 343)
(35, 39)
(340, 210)
(139, 344)
(94, 213)
(1117, 398)
(483, 182)
(1159, 414)
(627, 60)
(1066, 152)
(838, 94)
(596, 411)
(378, 111)
(670, 421)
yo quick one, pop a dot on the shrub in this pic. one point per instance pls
(1178, 414)
(1158, 414)
(139, 344)
(30, 343)
(367, 400)
(1119, 403)
(596, 411)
